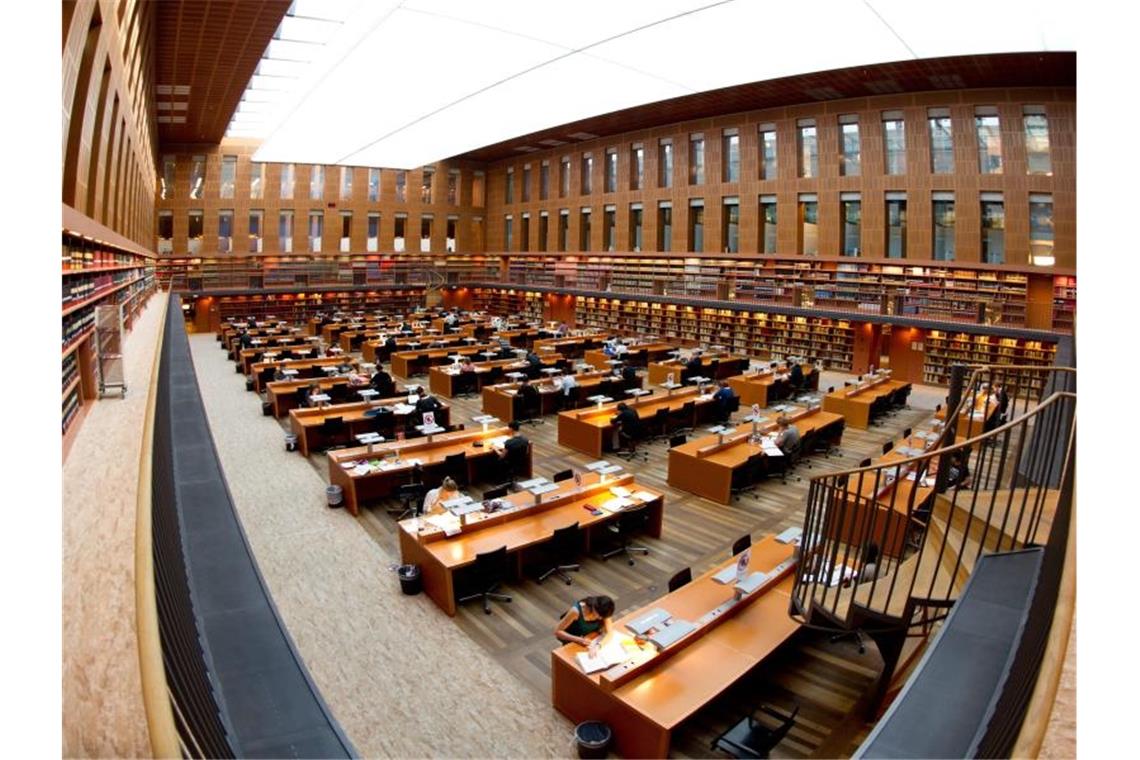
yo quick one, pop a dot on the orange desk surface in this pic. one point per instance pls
(856, 407)
(588, 429)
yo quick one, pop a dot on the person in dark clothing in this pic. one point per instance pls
(724, 398)
(530, 402)
(629, 374)
(694, 366)
(796, 376)
(513, 453)
(626, 420)
(588, 618)
(245, 339)
(534, 365)
(382, 383)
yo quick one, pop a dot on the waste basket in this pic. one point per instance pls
(335, 495)
(593, 738)
(410, 581)
(290, 442)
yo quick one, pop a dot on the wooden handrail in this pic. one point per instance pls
(164, 740)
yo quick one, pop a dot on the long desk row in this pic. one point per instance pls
(449, 380)
(384, 417)
(769, 385)
(713, 366)
(857, 403)
(502, 400)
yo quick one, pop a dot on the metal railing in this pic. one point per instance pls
(990, 484)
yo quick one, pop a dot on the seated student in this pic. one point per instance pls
(534, 365)
(428, 403)
(569, 383)
(625, 420)
(587, 619)
(390, 343)
(357, 380)
(694, 365)
(629, 374)
(870, 569)
(788, 435)
(304, 395)
(279, 373)
(245, 339)
(796, 376)
(382, 383)
(433, 499)
(958, 473)
(513, 450)
(609, 348)
(723, 398)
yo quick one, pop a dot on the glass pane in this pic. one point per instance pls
(287, 171)
(696, 229)
(229, 173)
(544, 182)
(635, 229)
(768, 223)
(768, 165)
(584, 232)
(809, 228)
(508, 234)
(401, 187)
(637, 178)
(166, 189)
(611, 172)
(373, 184)
(197, 176)
(1037, 144)
(696, 162)
(989, 144)
(257, 180)
(526, 184)
(665, 165)
(425, 186)
(732, 158)
(896, 229)
(852, 214)
(664, 229)
(524, 234)
(731, 228)
(317, 182)
(941, 145)
(894, 137)
(993, 232)
(944, 230)
(564, 178)
(809, 153)
(610, 230)
(587, 175)
(453, 188)
(1040, 228)
(850, 165)
(345, 183)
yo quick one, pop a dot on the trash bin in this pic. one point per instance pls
(249, 383)
(335, 495)
(267, 408)
(290, 442)
(593, 738)
(410, 581)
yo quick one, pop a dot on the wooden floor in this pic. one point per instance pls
(827, 680)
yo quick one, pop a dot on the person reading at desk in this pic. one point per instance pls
(428, 403)
(467, 365)
(629, 375)
(694, 366)
(724, 398)
(304, 395)
(529, 399)
(245, 339)
(626, 420)
(433, 499)
(382, 383)
(586, 620)
(787, 436)
(609, 348)
(796, 376)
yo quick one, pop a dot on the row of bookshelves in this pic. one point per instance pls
(942, 349)
(298, 307)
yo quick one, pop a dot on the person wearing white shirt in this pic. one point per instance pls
(433, 499)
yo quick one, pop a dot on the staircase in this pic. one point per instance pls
(931, 538)
(434, 281)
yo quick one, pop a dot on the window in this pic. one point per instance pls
(285, 231)
(166, 232)
(563, 229)
(767, 224)
(767, 151)
(225, 230)
(346, 183)
(229, 174)
(509, 191)
(611, 170)
(896, 225)
(609, 228)
(194, 232)
(508, 232)
(894, 142)
(809, 225)
(477, 236)
(256, 180)
(1041, 229)
(399, 232)
(665, 163)
(564, 177)
(166, 181)
(197, 176)
(255, 231)
(426, 222)
(993, 229)
(730, 155)
(587, 174)
(543, 231)
(696, 159)
(345, 231)
(373, 184)
(452, 229)
(637, 167)
(526, 183)
(851, 207)
(850, 158)
(696, 225)
(544, 181)
(989, 140)
(524, 234)
(287, 176)
(941, 141)
(635, 227)
(730, 225)
(373, 242)
(401, 187)
(425, 186)
(453, 187)
(808, 148)
(478, 187)
(316, 230)
(943, 213)
(584, 229)
(664, 226)
(317, 182)
(1037, 141)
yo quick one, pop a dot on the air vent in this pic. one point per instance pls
(883, 86)
(582, 135)
(947, 82)
(551, 143)
(823, 93)
(526, 149)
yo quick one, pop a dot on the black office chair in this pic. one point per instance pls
(530, 409)
(455, 467)
(497, 492)
(516, 464)
(680, 578)
(751, 738)
(677, 440)
(906, 433)
(411, 496)
(888, 446)
(791, 459)
(741, 544)
(563, 548)
(464, 384)
(684, 419)
(332, 431)
(629, 521)
(628, 440)
(831, 389)
(659, 425)
(488, 573)
(743, 479)
(563, 475)
(865, 463)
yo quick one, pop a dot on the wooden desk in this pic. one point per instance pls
(637, 356)
(305, 423)
(304, 367)
(501, 400)
(973, 419)
(378, 484)
(518, 337)
(855, 404)
(704, 467)
(410, 363)
(248, 356)
(728, 365)
(354, 338)
(521, 525)
(768, 387)
(645, 703)
(572, 347)
(283, 394)
(590, 431)
(441, 378)
(373, 350)
(265, 338)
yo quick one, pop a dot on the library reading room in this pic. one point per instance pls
(540, 379)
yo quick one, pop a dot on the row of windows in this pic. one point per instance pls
(316, 190)
(986, 124)
(285, 227)
(807, 217)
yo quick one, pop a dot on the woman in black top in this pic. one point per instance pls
(588, 618)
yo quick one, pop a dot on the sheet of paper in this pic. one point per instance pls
(644, 496)
(619, 491)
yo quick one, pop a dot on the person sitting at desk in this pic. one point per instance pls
(428, 403)
(433, 499)
(958, 473)
(609, 348)
(245, 339)
(587, 619)
(390, 343)
(513, 451)
(788, 437)
(796, 376)
(382, 383)
(569, 383)
(724, 398)
(304, 395)
(870, 569)
(534, 364)
(626, 420)
(694, 366)
(629, 374)
(279, 373)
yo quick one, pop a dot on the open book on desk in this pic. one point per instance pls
(614, 651)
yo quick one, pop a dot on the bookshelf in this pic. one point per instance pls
(94, 273)
(298, 307)
(943, 349)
